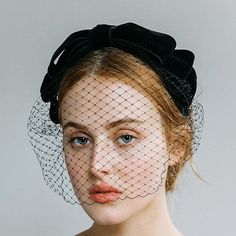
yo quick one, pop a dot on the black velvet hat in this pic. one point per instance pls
(157, 50)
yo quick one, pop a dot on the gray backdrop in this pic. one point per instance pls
(32, 30)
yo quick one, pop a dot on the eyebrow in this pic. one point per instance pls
(108, 126)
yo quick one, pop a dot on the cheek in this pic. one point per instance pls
(146, 169)
(78, 174)
(77, 167)
(143, 177)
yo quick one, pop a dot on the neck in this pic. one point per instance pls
(153, 220)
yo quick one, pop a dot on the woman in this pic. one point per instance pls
(120, 127)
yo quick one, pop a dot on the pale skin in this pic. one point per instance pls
(139, 215)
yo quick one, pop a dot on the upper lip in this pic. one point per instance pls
(103, 188)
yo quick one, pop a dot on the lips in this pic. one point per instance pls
(103, 188)
(104, 193)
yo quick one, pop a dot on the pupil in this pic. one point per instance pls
(83, 139)
(127, 137)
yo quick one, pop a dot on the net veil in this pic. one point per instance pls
(116, 117)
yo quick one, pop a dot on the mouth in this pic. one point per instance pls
(104, 193)
(105, 197)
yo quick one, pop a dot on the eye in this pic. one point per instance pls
(79, 141)
(127, 137)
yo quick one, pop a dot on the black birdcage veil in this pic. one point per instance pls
(103, 163)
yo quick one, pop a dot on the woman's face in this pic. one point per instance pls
(113, 134)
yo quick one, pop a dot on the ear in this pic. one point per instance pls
(179, 142)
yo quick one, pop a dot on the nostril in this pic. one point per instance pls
(99, 172)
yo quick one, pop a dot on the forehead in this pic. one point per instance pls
(101, 99)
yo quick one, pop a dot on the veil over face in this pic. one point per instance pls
(112, 134)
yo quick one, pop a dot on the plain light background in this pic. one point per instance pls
(30, 31)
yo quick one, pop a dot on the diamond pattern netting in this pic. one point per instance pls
(132, 156)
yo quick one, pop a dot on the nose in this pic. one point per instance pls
(101, 161)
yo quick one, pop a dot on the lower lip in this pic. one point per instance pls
(105, 197)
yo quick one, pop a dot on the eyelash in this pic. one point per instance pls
(122, 135)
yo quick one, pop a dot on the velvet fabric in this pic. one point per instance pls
(158, 50)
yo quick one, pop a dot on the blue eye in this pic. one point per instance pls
(76, 141)
(127, 138)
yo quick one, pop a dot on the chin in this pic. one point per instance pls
(106, 214)
(106, 221)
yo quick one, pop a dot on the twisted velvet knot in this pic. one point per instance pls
(100, 35)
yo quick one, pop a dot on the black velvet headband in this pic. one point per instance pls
(154, 48)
